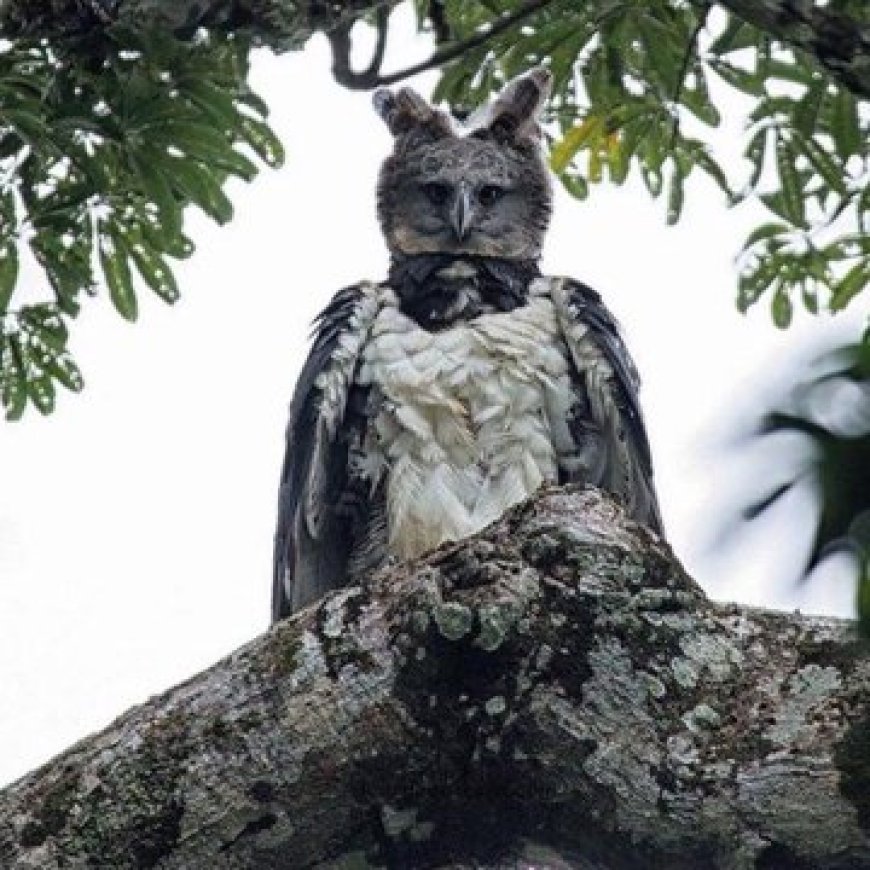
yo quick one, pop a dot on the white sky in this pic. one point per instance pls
(136, 522)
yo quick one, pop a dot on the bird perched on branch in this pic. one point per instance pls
(433, 401)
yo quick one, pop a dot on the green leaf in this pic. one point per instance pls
(116, 270)
(619, 154)
(792, 199)
(697, 99)
(810, 298)
(658, 42)
(8, 273)
(41, 393)
(852, 283)
(652, 178)
(175, 245)
(822, 162)
(845, 125)
(46, 323)
(709, 165)
(215, 102)
(201, 187)
(255, 101)
(748, 82)
(64, 370)
(675, 196)
(788, 71)
(156, 187)
(848, 246)
(265, 143)
(196, 139)
(13, 378)
(158, 276)
(776, 204)
(755, 152)
(31, 127)
(765, 231)
(806, 111)
(752, 284)
(781, 308)
(736, 35)
(575, 184)
(563, 151)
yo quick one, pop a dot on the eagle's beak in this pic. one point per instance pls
(461, 213)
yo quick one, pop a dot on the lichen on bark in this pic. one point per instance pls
(555, 686)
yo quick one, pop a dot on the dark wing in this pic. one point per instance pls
(607, 423)
(321, 505)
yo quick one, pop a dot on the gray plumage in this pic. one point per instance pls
(435, 400)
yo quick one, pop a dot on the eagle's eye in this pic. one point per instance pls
(490, 194)
(437, 192)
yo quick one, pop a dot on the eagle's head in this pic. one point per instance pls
(483, 190)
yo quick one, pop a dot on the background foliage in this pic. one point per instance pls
(100, 154)
(632, 93)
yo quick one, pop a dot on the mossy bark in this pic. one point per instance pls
(553, 692)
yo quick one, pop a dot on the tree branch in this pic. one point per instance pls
(340, 45)
(553, 690)
(840, 43)
(443, 55)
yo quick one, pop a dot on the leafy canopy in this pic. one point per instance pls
(100, 154)
(105, 142)
(632, 79)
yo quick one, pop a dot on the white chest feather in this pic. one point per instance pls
(473, 418)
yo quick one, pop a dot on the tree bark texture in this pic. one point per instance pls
(555, 692)
(840, 43)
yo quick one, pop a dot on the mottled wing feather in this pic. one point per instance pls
(313, 537)
(611, 383)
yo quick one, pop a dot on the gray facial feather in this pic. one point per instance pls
(484, 192)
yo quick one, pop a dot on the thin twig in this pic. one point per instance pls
(340, 42)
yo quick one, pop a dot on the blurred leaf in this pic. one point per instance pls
(40, 390)
(675, 196)
(850, 285)
(765, 231)
(264, 142)
(781, 308)
(791, 198)
(13, 378)
(8, 273)
(839, 469)
(823, 163)
(652, 178)
(748, 82)
(737, 35)
(806, 111)
(845, 124)
(203, 188)
(116, 271)
(156, 273)
(562, 153)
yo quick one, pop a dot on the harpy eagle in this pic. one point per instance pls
(434, 400)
